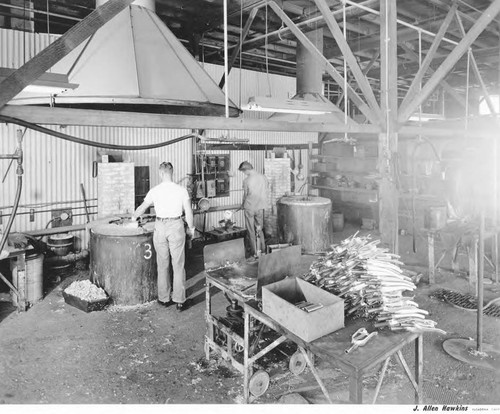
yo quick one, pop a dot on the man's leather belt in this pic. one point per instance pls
(168, 218)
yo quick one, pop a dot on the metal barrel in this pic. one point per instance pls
(123, 263)
(34, 278)
(305, 221)
(61, 244)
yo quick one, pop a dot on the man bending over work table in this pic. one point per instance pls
(170, 201)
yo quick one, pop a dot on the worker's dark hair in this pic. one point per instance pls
(167, 167)
(245, 166)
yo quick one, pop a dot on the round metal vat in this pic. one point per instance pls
(123, 262)
(61, 244)
(305, 221)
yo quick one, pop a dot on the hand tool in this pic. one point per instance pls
(360, 338)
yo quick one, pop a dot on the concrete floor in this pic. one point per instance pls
(57, 354)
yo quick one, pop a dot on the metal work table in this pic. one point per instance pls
(467, 236)
(330, 348)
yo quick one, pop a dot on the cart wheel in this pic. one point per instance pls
(259, 383)
(297, 363)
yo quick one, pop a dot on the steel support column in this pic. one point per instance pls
(388, 139)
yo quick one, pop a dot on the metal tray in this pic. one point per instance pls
(85, 305)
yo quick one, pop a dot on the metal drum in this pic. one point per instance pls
(123, 262)
(61, 244)
(305, 221)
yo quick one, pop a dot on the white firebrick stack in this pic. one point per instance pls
(277, 171)
(115, 189)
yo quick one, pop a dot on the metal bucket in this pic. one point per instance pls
(435, 217)
(305, 221)
(338, 221)
(61, 244)
(33, 277)
(123, 263)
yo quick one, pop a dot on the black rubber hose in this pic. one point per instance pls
(13, 213)
(83, 141)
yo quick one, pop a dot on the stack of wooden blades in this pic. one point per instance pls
(371, 282)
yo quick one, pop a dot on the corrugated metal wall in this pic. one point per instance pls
(54, 168)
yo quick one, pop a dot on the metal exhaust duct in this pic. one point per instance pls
(310, 84)
(135, 63)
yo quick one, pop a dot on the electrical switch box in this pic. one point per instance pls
(211, 175)
(222, 163)
(200, 189)
(211, 189)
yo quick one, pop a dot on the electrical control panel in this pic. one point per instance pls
(211, 175)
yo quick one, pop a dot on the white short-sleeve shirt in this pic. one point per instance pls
(168, 199)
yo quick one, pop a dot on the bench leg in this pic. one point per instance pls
(315, 373)
(356, 389)
(380, 380)
(247, 368)
(419, 368)
(432, 267)
(208, 311)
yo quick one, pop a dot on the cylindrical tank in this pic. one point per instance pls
(34, 278)
(123, 262)
(305, 221)
(61, 244)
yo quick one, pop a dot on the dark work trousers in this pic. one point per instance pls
(252, 220)
(169, 240)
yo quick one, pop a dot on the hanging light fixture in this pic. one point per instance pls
(290, 106)
(47, 84)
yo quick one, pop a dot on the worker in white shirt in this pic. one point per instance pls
(170, 201)
(255, 201)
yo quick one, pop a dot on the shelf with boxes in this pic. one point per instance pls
(211, 176)
(347, 174)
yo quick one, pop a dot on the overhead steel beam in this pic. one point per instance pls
(475, 68)
(372, 116)
(88, 117)
(431, 54)
(52, 54)
(95, 118)
(285, 32)
(237, 49)
(486, 18)
(446, 86)
(444, 5)
(366, 69)
(361, 79)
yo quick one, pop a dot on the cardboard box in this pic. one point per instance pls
(279, 299)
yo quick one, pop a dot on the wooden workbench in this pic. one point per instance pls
(330, 348)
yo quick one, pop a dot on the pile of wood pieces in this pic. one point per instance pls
(371, 282)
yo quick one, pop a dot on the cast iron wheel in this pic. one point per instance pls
(297, 363)
(259, 383)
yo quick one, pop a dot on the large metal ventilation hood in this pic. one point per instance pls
(135, 63)
(310, 86)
